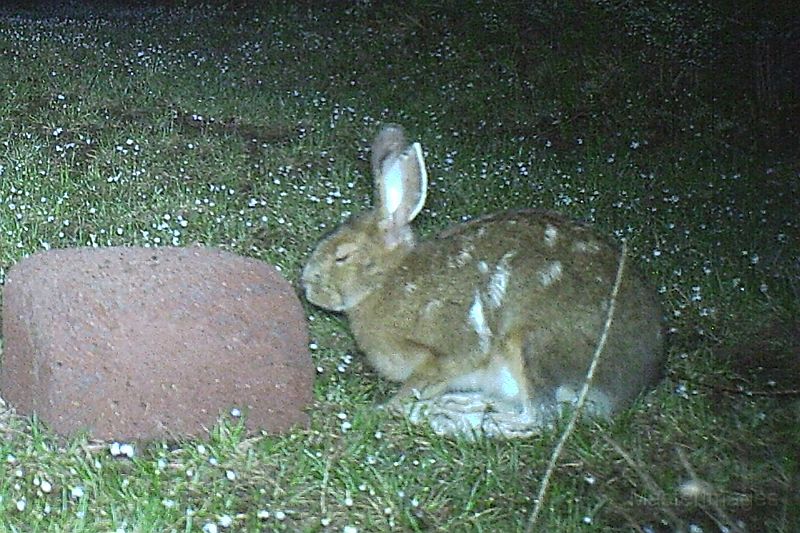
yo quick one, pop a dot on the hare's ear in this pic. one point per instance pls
(388, 144)
(401, 188)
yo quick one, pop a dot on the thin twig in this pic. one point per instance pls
(545, 484)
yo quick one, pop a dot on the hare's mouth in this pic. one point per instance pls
(321, 296)
(334, 299)
(330, 300)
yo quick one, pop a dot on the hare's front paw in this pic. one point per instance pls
(470, 415)
(515, 424)
(459, 414)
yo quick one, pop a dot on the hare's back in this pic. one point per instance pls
(521, 265)
(534, 247)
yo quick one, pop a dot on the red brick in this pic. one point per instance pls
(143, 343)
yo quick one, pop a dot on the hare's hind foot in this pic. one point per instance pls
(598, 403)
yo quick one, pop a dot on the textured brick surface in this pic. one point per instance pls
(141, 343)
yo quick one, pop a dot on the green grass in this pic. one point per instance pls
(248, 128)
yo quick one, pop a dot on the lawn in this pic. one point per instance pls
(248, 128)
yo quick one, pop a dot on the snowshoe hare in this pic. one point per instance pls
(490, 325)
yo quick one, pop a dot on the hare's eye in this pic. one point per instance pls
(344, 252)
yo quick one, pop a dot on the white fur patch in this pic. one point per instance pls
(551, 273)
(566, 394)
(495, 381)
(597, 402)
(431, 306)
(479, 324)
(584, 247)
(463, 257)
(499, 281)
(550, 235)
(507, 384)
